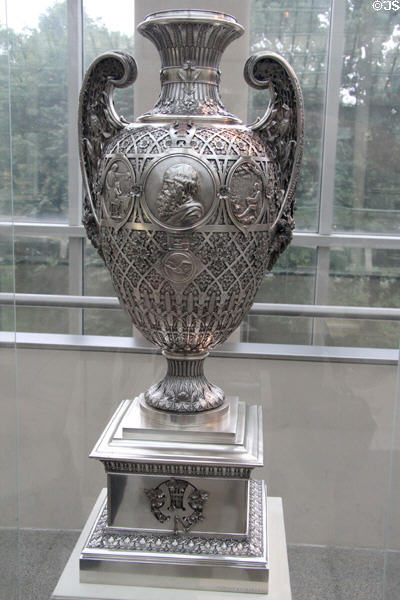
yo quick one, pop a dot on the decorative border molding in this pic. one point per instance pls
(250, 546)
(189, 470)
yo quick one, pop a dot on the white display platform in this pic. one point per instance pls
(70, 588)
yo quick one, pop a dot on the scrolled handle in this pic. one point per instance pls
(98, 122)
(282, 125)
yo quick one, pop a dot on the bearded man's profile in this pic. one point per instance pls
(178, 203)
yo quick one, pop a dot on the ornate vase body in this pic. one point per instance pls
(187, 206)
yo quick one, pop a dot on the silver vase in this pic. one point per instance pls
(187, 206)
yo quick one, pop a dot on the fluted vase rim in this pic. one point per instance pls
(190, 15)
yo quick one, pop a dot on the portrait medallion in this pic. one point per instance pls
(179, 192)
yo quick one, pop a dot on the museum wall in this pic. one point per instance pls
(327, 437)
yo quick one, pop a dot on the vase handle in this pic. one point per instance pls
(98, 122)
(282, 129)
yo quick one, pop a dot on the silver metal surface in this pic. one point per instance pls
(187, 206)
(70, 588)
(218, 417)
(222, 424)
(224, 510)
(179, 499)
(175, 560)
(122, 454)
(185, 389)
(167, 575)
(190, 74)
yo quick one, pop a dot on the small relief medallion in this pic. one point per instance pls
(181, 500)
(179, 267)
(179, 192)
(246, 195)
(118, 190)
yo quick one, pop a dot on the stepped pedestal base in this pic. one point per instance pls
(193, 561)
(69, 586)
(181, 509)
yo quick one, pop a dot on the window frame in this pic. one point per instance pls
(322, 240)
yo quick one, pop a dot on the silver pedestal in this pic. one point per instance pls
(180, 503)
(70, 588)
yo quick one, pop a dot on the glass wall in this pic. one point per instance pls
(331, 428)
(346, 242)
(299, 31)
(347, 57)
(367, 179)
(391, 579)
(9, 438)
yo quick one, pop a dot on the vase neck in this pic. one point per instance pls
(190, 44)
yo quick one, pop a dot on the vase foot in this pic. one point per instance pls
(185, 388)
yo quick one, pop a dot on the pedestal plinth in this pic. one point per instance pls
(181, 504)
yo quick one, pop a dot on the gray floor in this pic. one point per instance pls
(317, 573)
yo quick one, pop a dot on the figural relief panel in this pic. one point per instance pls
(118, 190)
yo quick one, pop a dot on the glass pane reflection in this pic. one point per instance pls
(292, 281)
(110, 26)
(299, 32)
(367, 179)
(38, 87)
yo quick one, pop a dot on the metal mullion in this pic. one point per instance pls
(43, 229)
(321, 292)
(52, 341)
(333, 81)
(301, 238)
(258, 308)
(347, 240)
(328, 157)
(75, 72)
(75, 68)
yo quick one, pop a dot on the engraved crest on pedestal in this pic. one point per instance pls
(245, 199)
(118, 190)
(180, 499)
(179, 191)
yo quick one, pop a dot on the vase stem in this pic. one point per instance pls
(185, 388)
